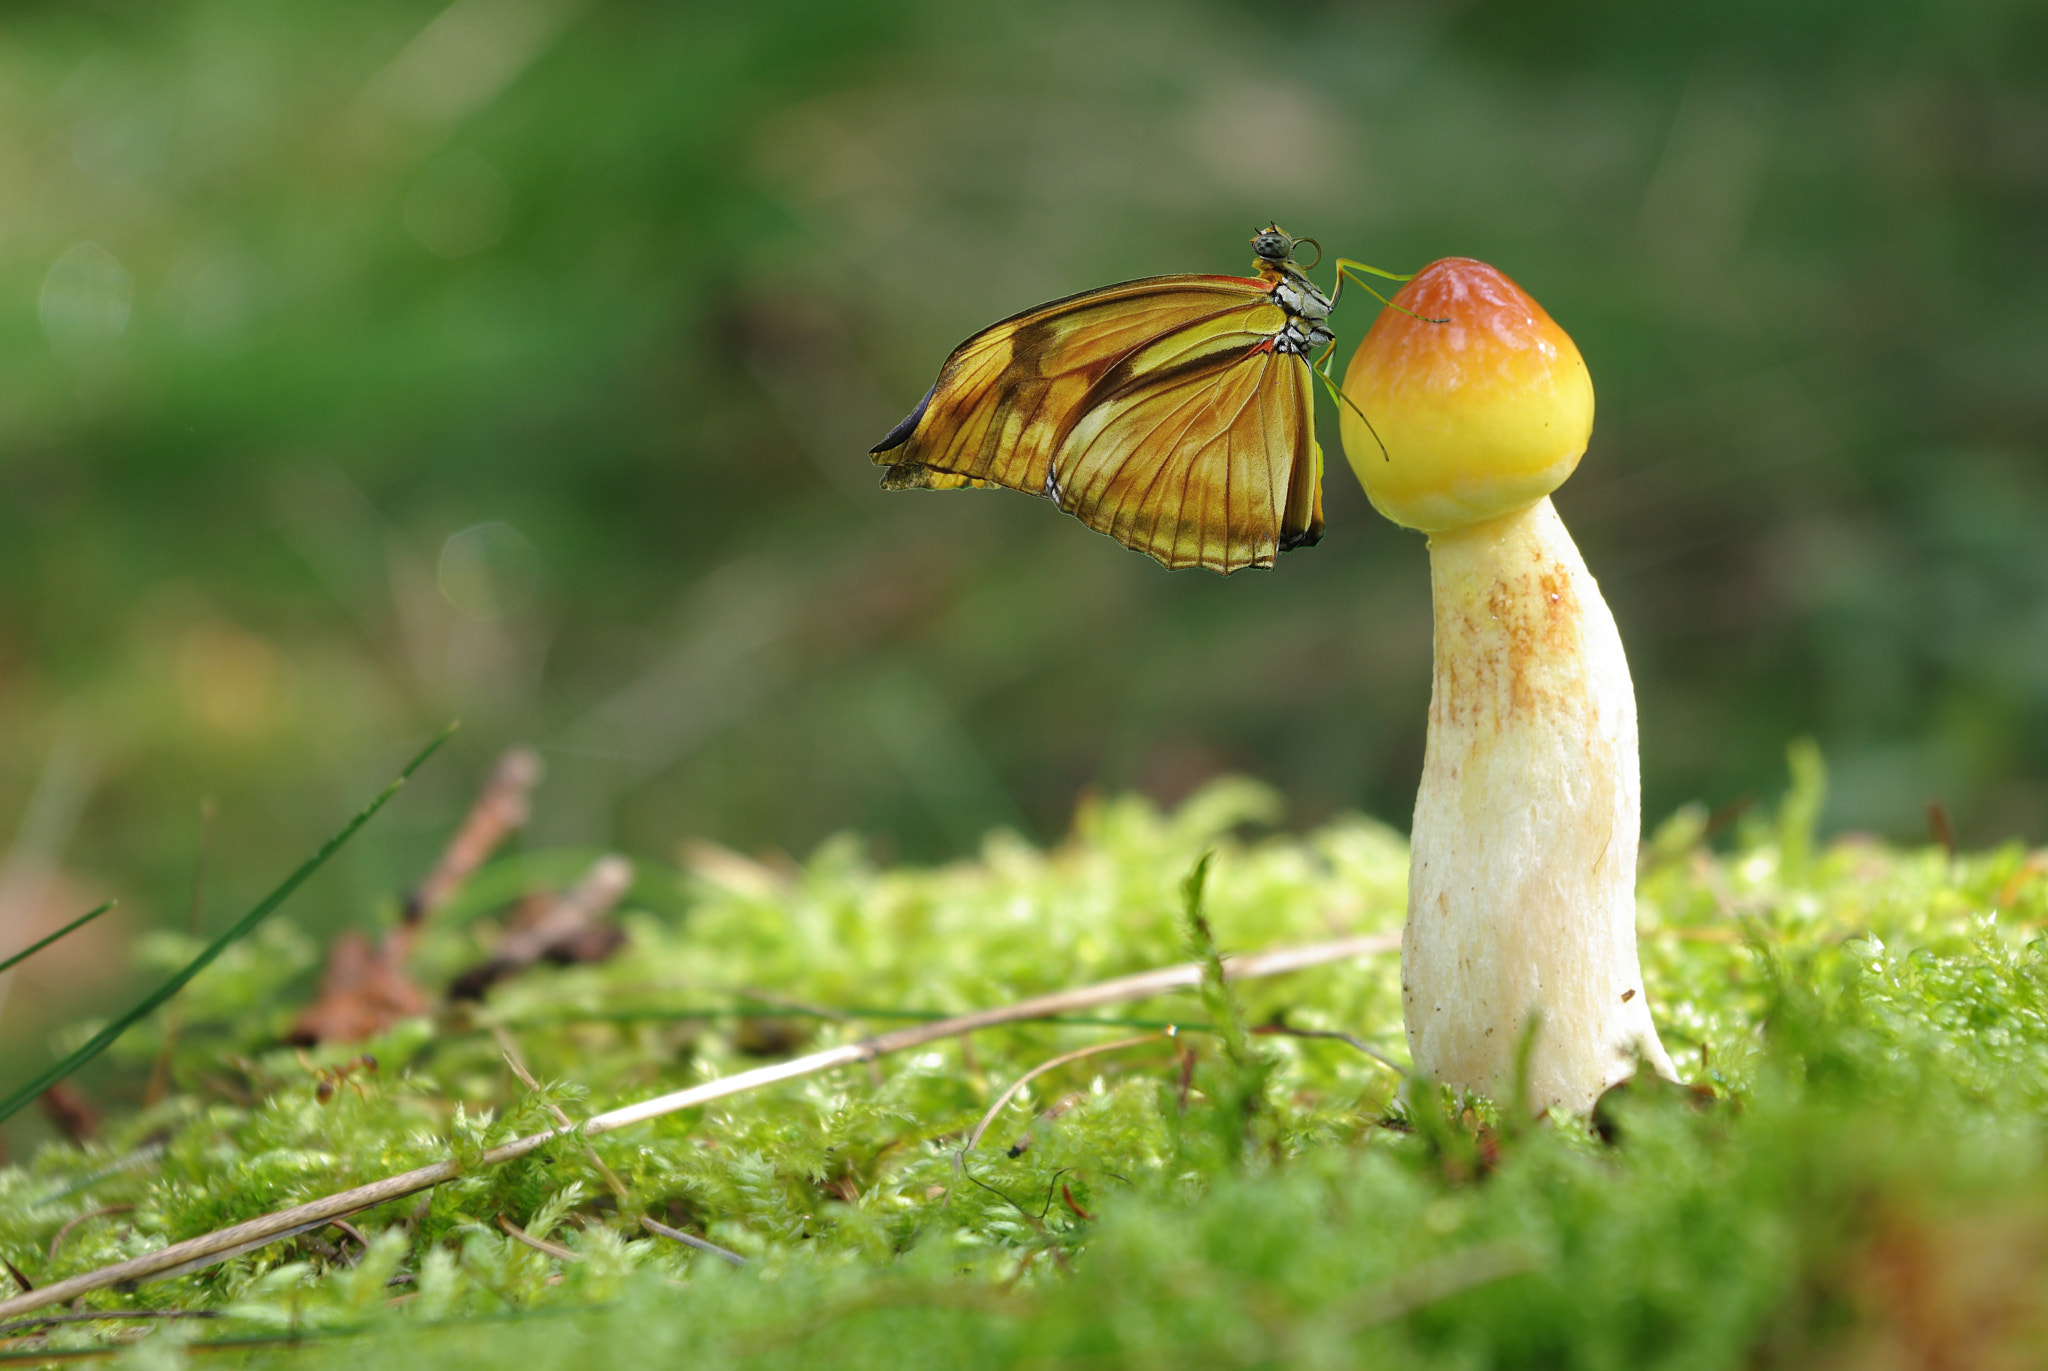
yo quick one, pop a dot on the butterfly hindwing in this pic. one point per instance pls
(1199, 449)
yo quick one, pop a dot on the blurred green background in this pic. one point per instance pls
(517, 360)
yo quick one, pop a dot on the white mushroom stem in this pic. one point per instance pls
(1521, 902)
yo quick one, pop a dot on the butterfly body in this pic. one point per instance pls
(1173, 413)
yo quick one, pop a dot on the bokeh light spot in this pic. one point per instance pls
(489, 571)
(86, 298)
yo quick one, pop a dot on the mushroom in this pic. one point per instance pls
(1521, 888)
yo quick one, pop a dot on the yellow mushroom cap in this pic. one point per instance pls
(1480, 416)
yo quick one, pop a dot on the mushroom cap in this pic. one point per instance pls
(1481, 416)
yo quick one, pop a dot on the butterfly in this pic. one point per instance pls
(1174, 414)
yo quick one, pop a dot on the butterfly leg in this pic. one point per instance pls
(1348, 270)
(1322, 372)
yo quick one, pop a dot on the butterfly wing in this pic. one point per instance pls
(1157, 411)
(1008, 395)
(1199, 449)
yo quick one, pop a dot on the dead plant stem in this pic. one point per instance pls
(194, 1253)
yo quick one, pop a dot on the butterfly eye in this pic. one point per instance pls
(1273, 245)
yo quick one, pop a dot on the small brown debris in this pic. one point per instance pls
(364, 988)
(501, 810)
(758, 1035)
(1606, 1119)
(737, 873)
(1725, 817)
(593, 944)
(1940, 825)
(67, 1108)
(1951, 1286)
(2031, 870)
(568, 924)
(363, 991)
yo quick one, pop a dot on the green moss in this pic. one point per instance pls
(1864, 1172)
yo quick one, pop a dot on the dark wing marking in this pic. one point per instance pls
(899, 435)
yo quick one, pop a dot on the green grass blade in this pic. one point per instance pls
(149, 1002)
(80, 922)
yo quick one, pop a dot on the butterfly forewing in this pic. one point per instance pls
(1006, 395)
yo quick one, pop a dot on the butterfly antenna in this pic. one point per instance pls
(1341, 398)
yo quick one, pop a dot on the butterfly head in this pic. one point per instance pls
(1274, 244)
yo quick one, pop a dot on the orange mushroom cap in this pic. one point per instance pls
(1480, 416)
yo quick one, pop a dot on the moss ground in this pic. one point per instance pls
(1858, 1181)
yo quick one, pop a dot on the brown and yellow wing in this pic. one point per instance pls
(1007, 395)
(1199, 451)
(1155, 411)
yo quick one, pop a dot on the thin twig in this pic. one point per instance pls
(974, 1138)
(575, 911)
(8, 1330)
(57, 1239)
(744, 1009)
(520, 1235)
(501, 810)
(518, 1065)
(294, 1338)
(1052, 1111)
(662, 1230)
(1287, 1031)
(208, 1248)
